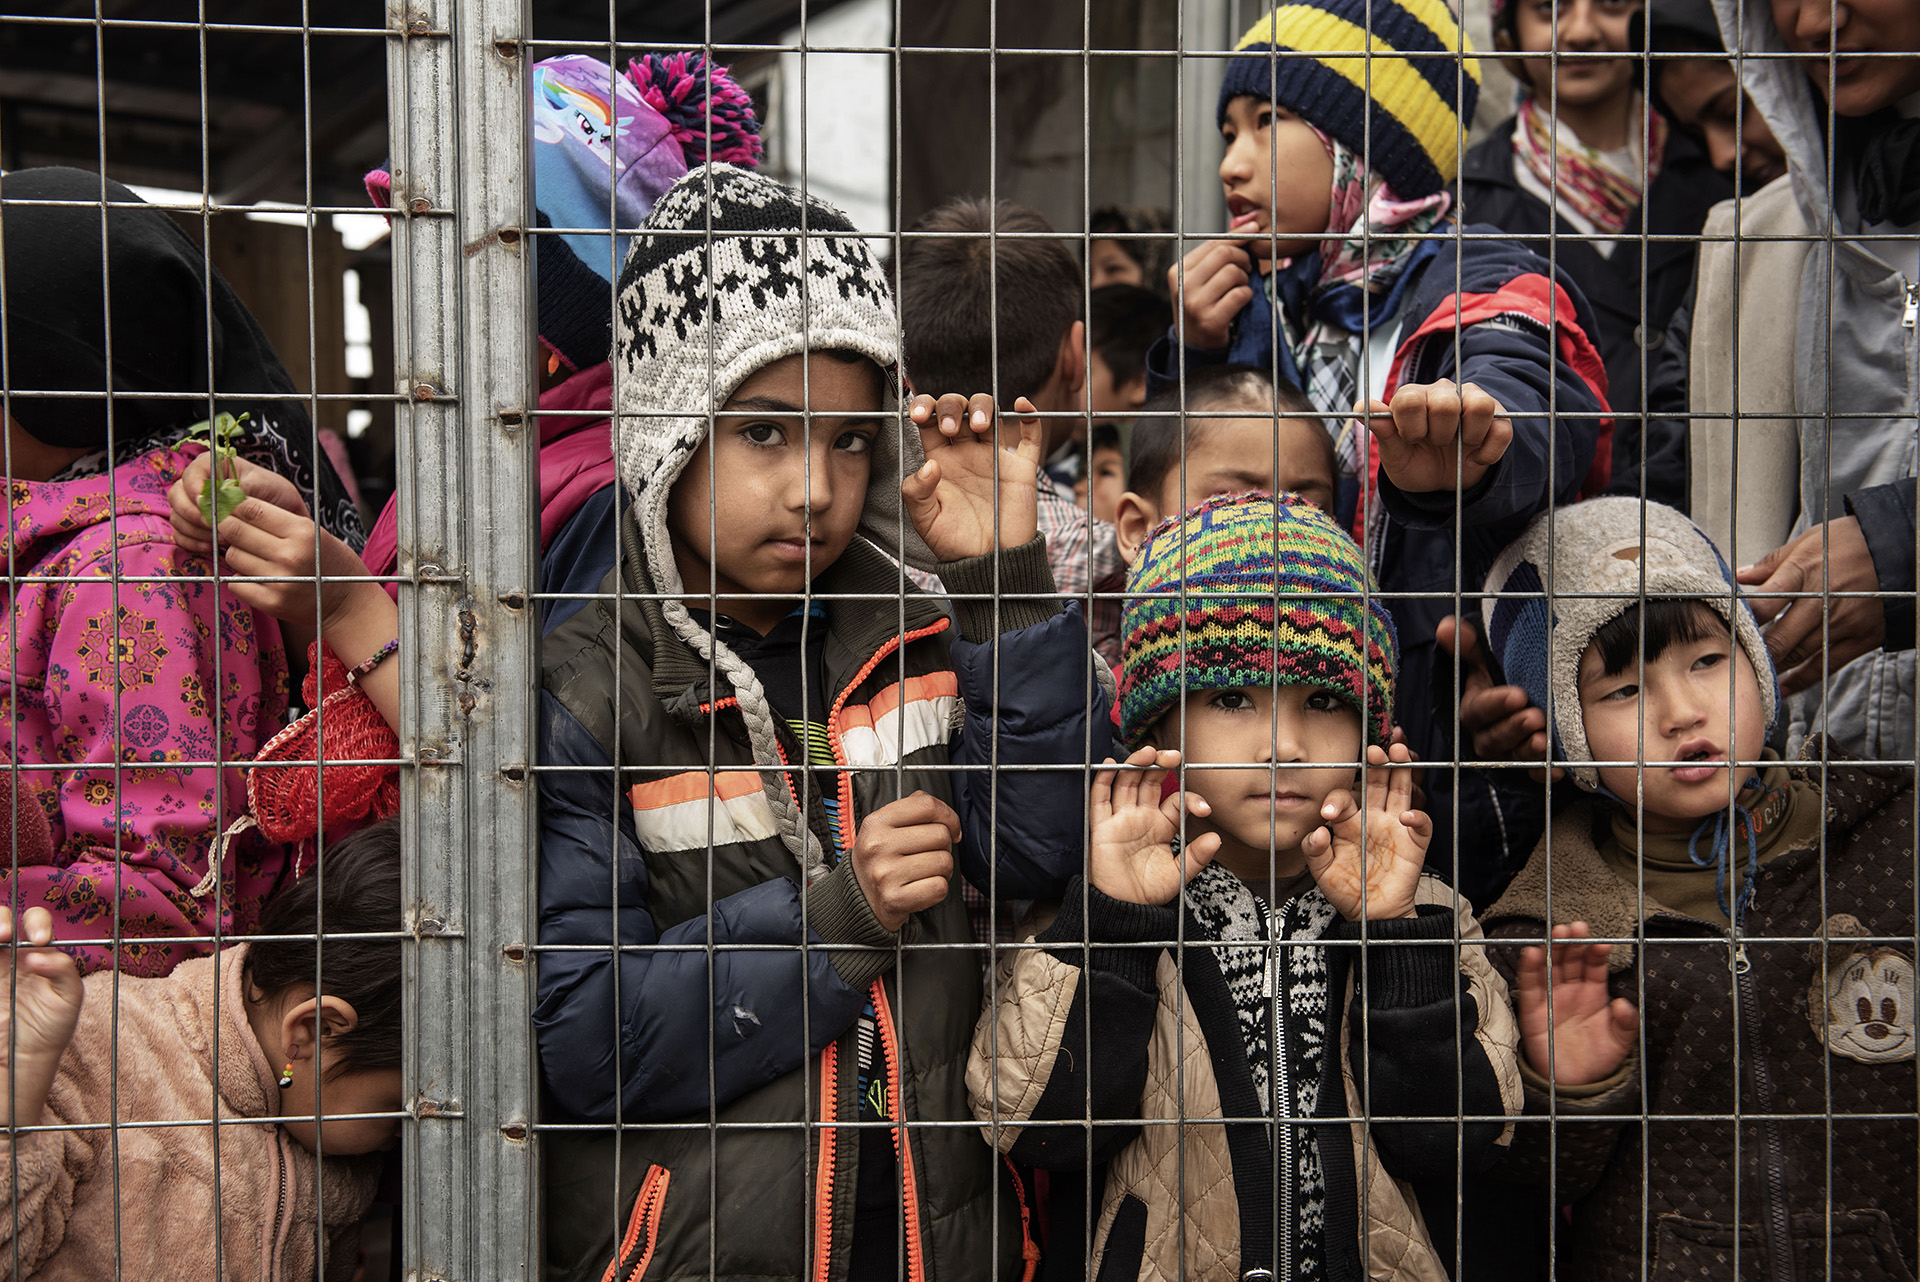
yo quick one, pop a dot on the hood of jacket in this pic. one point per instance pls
(46, 515)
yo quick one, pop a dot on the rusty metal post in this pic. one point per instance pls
(464, 362)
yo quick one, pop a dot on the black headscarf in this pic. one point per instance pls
(164, 302)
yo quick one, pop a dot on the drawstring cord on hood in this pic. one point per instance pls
(1735, 816)
(755, 711)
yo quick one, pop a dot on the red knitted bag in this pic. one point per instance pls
(286, 801)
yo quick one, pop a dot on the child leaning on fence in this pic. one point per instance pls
(783, 712)
(1109, 1019)
(241, 1035)
(1445, 337)
(1760, 989)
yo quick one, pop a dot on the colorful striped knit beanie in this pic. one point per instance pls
(1416, 106)
(1596, 558)
(1276, 594)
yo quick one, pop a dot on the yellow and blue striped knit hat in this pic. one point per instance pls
(1276, 594)
(1306, 57)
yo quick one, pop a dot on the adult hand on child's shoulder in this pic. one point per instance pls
(1213, 284)
(1502, 719)
(903, 857)
(1573, 1031)
(1436, 433)
(1367, 861)
(1134, 829)
(973, 495)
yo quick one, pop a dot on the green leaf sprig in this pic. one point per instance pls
(222, 493)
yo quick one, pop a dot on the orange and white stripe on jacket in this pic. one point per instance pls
(675, 813)
(899, 721)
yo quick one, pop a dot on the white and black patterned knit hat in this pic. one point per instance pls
(732, 272)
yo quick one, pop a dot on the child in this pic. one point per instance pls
(1765, 929)
(1454, 346)
(1109, 1016)
(784, 775)
(1106, 478)
(1698, 90)
(1583, 159)
(240, 1035)
(1123, 322)
(973, 307)
(122, 665)
(1287, 454)
(1128, 246)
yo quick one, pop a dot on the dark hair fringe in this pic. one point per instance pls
(1123, 323)
(1670, 621)
(355, 890)
(1153, 454)
(951, 287)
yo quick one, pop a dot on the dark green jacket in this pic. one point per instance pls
(713, 1062)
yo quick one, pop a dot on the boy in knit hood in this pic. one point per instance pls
(1256, 656)
(749, 740)
(1758, 920)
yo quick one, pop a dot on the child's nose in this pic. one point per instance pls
(1812, 21)
(1233, 165)
(812, 482)
(1577, 27)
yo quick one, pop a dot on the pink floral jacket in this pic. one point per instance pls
(114, 685)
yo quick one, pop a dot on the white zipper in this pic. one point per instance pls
(1910, 316)
(1279, 1096)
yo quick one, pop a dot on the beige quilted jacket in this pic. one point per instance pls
(1028, 1066)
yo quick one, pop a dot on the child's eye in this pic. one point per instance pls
(1712, 659)
(1264, 120)
(1230, 701)
(854, 442)
(1621, 694)
(763, 434)
(1323, 701)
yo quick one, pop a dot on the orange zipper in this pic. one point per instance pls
(823, 1183)
(1029, 1249)
(833, 722)
(910, 1191)
(645, 1219)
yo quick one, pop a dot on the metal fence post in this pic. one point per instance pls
(467, 553)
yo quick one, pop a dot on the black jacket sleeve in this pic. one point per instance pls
(1416, 1052)
(1886, 522)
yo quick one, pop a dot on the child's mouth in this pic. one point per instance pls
(1243, 214)
(1709, 765)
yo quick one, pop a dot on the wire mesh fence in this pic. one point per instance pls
(1172, 639)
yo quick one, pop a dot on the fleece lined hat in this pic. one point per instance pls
(719, 284)
(1233, 554)
(1598, 547)
(1415, 105)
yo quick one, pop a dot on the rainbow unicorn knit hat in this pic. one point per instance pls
(1275, 593)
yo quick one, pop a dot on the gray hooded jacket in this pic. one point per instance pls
(1812, 344)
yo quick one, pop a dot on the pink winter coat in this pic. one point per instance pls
(138, 673)
(161, 1179)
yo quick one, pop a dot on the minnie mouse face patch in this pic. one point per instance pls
(1862, 1007)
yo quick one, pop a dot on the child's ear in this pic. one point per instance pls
(1070, 366)
(1134, 518)
(336, 1016)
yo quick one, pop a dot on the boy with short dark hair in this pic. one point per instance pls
(1123, 322)
(734, 760)
(1753, 1020)
(973, 305)
(1188, 447)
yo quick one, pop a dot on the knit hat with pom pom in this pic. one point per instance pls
(607, 145)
